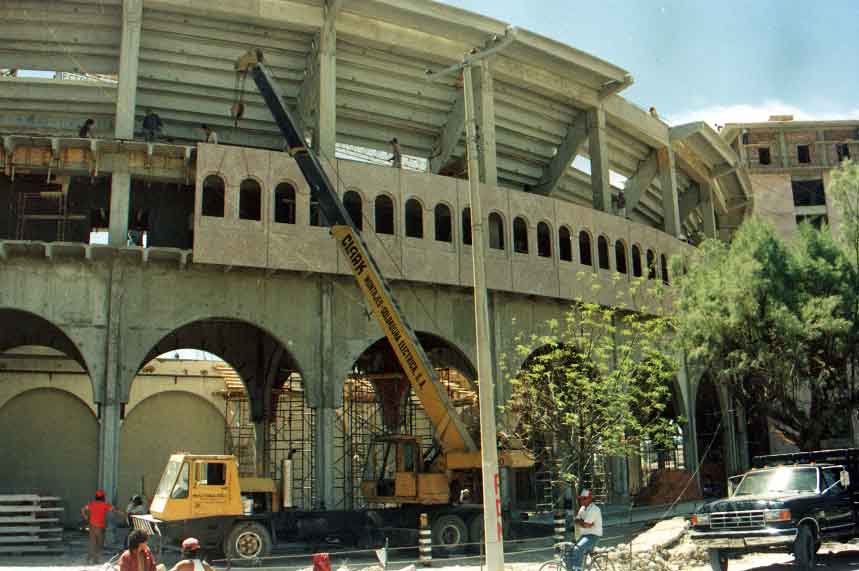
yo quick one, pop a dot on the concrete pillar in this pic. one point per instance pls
(326, 433)
(668, 183)
(325, 413)
(782, 145)
(261, 459)
(742, 151)
(708, 212)
(598, 149)
(729, 432)
(484, 98)
(129, 55)
(110, 407)
(743, 459)
(822, 149)
(120, 202)
(325, 130)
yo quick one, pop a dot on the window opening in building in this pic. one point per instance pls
(250, 200)
(496, 231)
(651, 265)
(764, 156)
(354, 205)
(443, 224)
(466, 226)
(843, 151)
(544, 240)
(565, 245)
(384, 215)
(803, 153)
(602, 253)
(284, 203)
(414, 219)
(663, 264)
(213, 196)
(636, 261)
(808, 192)
(585, 253)
(620, 256)
(816, 220)
(520, 236)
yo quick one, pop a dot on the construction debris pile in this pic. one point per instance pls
(664, 547)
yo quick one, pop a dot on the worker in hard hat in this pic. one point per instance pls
(95, 514)
(192, 557)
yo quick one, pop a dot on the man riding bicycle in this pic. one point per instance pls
(588, 524)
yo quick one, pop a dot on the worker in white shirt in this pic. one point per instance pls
(211, 134)
(588, 524)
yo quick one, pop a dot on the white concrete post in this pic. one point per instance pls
(325, 413)
(668, 182)
(484, 99)
(120, 202)
(598, 149)
(325, 131)
(129, 55)
(707, 211)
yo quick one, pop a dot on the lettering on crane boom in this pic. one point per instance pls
(370, 283)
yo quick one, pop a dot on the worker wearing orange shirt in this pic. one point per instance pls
(95, 512)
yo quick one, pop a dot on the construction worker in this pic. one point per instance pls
(85, 131)
(211, 135)
(397, 157)
(95, 512)
(192, 557)
(151, 125)
(138, 557)
(135, 507)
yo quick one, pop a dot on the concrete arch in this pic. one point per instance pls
(55, 450)
(158, 426)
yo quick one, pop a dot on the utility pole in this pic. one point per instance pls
(492, 524)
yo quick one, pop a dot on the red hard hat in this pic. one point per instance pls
(191, 544)
(99, 493)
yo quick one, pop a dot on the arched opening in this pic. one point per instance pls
(602, 253)
(251, 379)
(544, 240)
(384, 214)
(585, 251)
(354, 206)
(496, 231)
(565, 244)
(651, 265)
(520, 235)
(620, 256)
(378, 402)
(250, 200)
(663, 265)
(466, 226)
(212, 203)
(284, 203)
(443, 224)
(414, 219)
(636, 261)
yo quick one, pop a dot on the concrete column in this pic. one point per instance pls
(325, 413)
(598, 149)
(484, 98)
(742, 151)
(708, 211)
(110, 406)
(729, 432)
(120, 202)
(668, 183)
(782, 145)
(742, 436)
(822, 149)
(326, 433)
(325, 130)
(126, 93)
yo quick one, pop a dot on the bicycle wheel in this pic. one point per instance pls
(601, 564)
(553, 565)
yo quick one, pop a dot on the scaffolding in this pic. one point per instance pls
(42, 205)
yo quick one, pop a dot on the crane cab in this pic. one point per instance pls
(395, 473)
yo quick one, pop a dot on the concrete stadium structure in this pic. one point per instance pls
(237, 261)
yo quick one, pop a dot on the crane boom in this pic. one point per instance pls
(450, 432)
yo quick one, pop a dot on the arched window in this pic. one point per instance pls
(520, 236)
(354, 206)
(414, 219)
(651, 265)
(466, 226)
(443, 225)
(384, 215)
(664, 265)
(213, 196)
(284, 203)
(636, 261)
(250, 200)
(544, 240)
(602, 253)
(620, 256)
(496, 231)
(585, 252)
(316, 217)
(565, 244)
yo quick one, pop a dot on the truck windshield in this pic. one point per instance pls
(168, 478)
(778, 480)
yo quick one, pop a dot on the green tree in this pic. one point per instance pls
(594, 385)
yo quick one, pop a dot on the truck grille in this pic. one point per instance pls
(737, 520)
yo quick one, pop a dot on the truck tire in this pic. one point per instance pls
(449, 534)
(718, 560)
(247, 540)
(804, 550)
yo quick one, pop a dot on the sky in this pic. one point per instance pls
(713, 60)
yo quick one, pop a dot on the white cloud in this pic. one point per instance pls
(754, 113)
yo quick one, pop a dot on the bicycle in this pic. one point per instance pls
(597, 560)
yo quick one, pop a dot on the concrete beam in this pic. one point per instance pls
(485, 103)
(598, 150)
(638, 183)
(668, 183)
(576, 136)
(615, 86)
(450, 135)
(129, 58)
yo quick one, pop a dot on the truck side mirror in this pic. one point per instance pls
(845, 479)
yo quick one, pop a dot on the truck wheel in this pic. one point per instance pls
(803, 549)
(718, 560)
(449, 534)
(247, 540)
